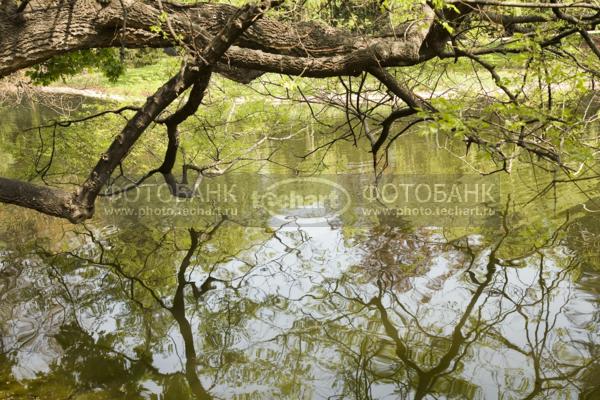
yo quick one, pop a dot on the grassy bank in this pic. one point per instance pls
(135, 82)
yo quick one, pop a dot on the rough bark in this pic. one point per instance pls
(51, 201)
(50, 27)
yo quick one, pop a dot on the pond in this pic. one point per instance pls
(317, 292)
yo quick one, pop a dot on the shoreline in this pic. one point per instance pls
(30, 90)
(89, 93)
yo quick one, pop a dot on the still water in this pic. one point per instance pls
(146, 305)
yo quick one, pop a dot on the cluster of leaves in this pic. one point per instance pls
(109, 61)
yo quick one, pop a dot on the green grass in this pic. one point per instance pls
(135, 82)
(143, 81)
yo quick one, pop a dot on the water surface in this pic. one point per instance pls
(162, 307)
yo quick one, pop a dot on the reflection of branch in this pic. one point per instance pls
(472, 324)
(177, 310)
(119, 269)
(427, 378)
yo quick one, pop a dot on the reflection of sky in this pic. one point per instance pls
(28, 325)
(308, 261)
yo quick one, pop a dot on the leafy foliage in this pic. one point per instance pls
(108, 61)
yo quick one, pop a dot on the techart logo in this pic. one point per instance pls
(309, 199)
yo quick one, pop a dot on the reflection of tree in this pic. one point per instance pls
(177, 310)
(584, 241)
(139, 272)
(372, 330)
(429, 357)
(584, 238)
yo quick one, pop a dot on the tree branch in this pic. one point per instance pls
(79, 206)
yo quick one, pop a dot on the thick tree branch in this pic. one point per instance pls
(119, 149)
(404, 93)
(52, 28)
(80, 205)
(172, 122)
(51, 201)
(590, 42)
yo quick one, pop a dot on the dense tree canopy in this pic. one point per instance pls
(399, 64)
